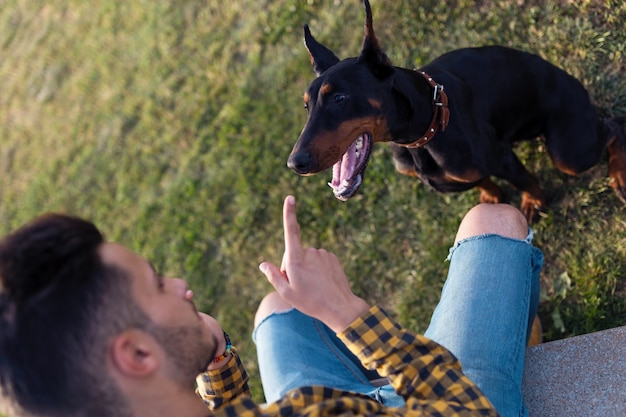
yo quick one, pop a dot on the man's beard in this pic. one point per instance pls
(189, 351)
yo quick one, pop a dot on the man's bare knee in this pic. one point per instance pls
(501, 219)
(271, 303)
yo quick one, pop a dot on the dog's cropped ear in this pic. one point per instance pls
(322, 58)
(371, 52)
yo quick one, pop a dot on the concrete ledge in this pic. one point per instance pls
(579, 376)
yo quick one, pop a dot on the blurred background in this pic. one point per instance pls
(169, 124)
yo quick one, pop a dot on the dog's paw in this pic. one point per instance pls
(531, 207)
(618, 183)
(490, 198)
(489, 192)
(617, 162)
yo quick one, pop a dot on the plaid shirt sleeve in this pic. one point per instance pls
(220, 386)
(425, 373)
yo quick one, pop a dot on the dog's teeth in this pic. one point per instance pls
(358, 146)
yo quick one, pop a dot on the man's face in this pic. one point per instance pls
(188, 343)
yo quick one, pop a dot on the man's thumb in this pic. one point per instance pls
(274, 275)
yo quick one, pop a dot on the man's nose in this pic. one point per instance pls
(181, 287)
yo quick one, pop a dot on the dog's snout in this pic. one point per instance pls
(300, 162)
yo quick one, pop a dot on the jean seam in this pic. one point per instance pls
(349, 365)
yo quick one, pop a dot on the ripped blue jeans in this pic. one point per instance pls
(484, 316)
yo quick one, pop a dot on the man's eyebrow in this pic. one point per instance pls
(158, 277)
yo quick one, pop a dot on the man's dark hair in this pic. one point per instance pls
(59, 307)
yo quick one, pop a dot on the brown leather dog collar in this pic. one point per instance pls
(441, 114)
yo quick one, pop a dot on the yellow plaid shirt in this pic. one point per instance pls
(425, 373)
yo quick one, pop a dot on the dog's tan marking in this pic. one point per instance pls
(468, 176)
(326, 89)
(375, 103)
(406, 170)
(489, 192)
(617, 164)
(536, 335)
(328, 147)
(564, 167)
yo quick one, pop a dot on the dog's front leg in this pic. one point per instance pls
(617, 157)
(489, 192)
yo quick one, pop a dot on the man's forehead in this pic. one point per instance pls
(139, 270)
(122, 258)
(115, 254)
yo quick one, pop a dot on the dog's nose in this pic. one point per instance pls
(300, 162)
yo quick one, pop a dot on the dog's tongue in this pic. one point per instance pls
(343, 181)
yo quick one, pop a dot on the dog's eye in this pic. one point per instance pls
(339, 97)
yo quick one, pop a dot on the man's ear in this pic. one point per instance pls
(134, 353)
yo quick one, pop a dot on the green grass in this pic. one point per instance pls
(169, 124)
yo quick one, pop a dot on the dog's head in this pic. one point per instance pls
(345, 112)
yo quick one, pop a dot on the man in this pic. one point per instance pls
(88, 328)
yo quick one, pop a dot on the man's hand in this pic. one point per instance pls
(312, 280)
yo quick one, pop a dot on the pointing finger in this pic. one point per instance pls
(292, 229)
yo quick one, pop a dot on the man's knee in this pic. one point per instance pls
(500, 219)
(271, 303)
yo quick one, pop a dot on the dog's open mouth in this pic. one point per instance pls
(349, 170)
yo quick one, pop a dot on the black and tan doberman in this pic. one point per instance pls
(452, 123)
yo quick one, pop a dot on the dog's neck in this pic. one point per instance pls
(441, 114)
